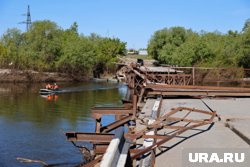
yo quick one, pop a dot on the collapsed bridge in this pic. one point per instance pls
(161, 111)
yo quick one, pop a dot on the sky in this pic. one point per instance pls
(132, 21)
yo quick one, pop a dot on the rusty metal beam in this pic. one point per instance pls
(97, 113)
(133, 136)
(100, 148)
(160, 126)
(164, 117)
(93, 162)
(159, 143)
(134, 110)
(98, 124)
(188, 90)
(168, 116)
(127, 105)
(173, 111)
(185, 120)
(179, 129)
(198, 111)
(156, 123)
(200, 93)
(139, 74)
(159, 139)
(173, 127)
(193, 88)
(134, 151)
(116, 124)
(90, 137)
(154, 136)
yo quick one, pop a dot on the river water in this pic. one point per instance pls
(33, 127)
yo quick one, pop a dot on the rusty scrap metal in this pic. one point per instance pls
(91, 137)
(101, 140)
(174, 90)
(164, 140)
(200, 93)
(93, 162)
(163, 87)
(137, 77)
(97, 113)
(178, 129)
(159, 123)
(100, 148)
(116, 124)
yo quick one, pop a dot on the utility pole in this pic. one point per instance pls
(28, 19)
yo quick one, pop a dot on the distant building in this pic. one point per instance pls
(132, 52)
(143, 52)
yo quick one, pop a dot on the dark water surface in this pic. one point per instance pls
(33, 127)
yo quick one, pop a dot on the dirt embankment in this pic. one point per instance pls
(9, 75)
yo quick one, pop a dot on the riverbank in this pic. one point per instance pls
(16, 76)
(23, 76)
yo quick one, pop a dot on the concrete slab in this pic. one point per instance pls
(230, 107)
(216, 136)
(235, 112)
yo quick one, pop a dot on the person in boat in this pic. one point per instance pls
(55, 86)
(48, 86)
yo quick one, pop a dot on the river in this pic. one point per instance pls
(32, 126)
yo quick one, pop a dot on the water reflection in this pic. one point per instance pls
(33, 127)
(52, 97)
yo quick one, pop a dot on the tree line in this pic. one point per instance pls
(178, 46)
(47, 47)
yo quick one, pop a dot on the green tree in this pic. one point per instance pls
(3, 55)
(78, 54)
(47, 47)
(107, 50)
(244, 60)
(178, 46)
(246, 25)
(12, 40)
(44, 44)
(74, 28)
(166, 43)
(157, 42)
